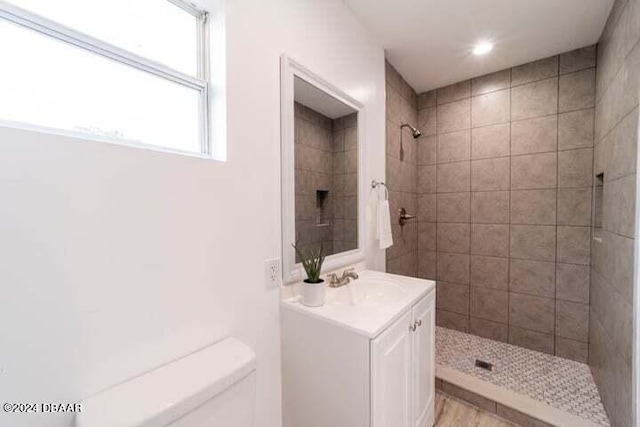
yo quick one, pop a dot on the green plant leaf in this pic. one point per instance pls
(311, 261)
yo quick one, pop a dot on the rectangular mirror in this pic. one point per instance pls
(321, 148)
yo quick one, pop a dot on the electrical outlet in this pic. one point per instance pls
(272, 276)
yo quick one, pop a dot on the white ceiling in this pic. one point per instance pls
(430, 41)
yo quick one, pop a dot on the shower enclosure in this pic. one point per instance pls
(523, 183)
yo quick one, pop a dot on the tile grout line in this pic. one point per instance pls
(508, 338)
(470, 207)
(555, 265)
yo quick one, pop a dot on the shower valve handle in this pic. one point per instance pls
(404, 216)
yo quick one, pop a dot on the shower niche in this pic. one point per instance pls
(321, 149)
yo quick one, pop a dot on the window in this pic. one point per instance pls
(121, 70)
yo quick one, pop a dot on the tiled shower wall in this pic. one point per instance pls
(616, 135)
(326, 161)
(345, 183)
(401, 159)
(503, 189)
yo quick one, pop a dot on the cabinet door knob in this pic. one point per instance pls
(419, 322)
(413, 327)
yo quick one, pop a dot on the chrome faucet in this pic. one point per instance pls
(347, 275)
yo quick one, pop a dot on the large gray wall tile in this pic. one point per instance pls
(491, 82)
(489, 304)
(534, 171)
(427, 150)
(534, 99)
(490, 174)
(623, 140)
(533, 207)
(427, 120)
(426, 208)
(537, 135)
(427, 264)
(572, 320)
(426, 99)
(575, 129)
(489, 272)
(533, 277)
(453, 297)
(532, 340)
(426, 179)
(491, 108)
(451, 320)
(454, 207)
(578, 59)
(454, 92)
(535, 242)
(574, 245)
(574, 206)
(488, 329)
(454, 177)
(453, 267)
(572, 282)
(533, 313)
(454, 116)
(490, 141)
(533, 71)
(490, 207)
(578, 90)
(490, 239)
(619, 206)
(453, 237)
(572, 349)
(427, 237)
(574, 168)
(454, 147)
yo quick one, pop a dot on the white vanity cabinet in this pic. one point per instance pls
(374, 368)
(403, 372)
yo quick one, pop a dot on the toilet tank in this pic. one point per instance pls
(212, 387)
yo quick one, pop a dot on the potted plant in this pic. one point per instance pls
(313, 289)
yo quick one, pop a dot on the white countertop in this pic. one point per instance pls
(368, 319)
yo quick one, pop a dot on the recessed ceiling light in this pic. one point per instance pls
(482, 48)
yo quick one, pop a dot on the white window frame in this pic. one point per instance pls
(200, 82)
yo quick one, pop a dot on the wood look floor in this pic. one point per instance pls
(454, 413)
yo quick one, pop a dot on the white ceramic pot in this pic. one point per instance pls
(312, 294)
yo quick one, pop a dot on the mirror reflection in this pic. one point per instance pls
(326, 171)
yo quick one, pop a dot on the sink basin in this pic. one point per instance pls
(368, 304)
(368, 292)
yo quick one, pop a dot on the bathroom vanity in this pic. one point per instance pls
(365, 358)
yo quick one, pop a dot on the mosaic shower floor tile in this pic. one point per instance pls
(561, 383)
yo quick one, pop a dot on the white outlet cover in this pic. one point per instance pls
(272, 273)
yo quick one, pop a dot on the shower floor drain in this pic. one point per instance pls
(484, 365)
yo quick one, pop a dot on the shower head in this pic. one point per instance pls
(416, 133)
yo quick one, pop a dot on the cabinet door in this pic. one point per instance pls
(391, 361)
(423, 372)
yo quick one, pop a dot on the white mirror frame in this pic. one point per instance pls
(289, 69)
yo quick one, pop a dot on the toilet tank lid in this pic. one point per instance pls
(165, 394)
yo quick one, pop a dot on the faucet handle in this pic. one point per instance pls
(333, 279)
(347, 271)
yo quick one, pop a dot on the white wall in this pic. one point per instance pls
(114, 260)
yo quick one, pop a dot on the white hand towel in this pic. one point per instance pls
(385, 237)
